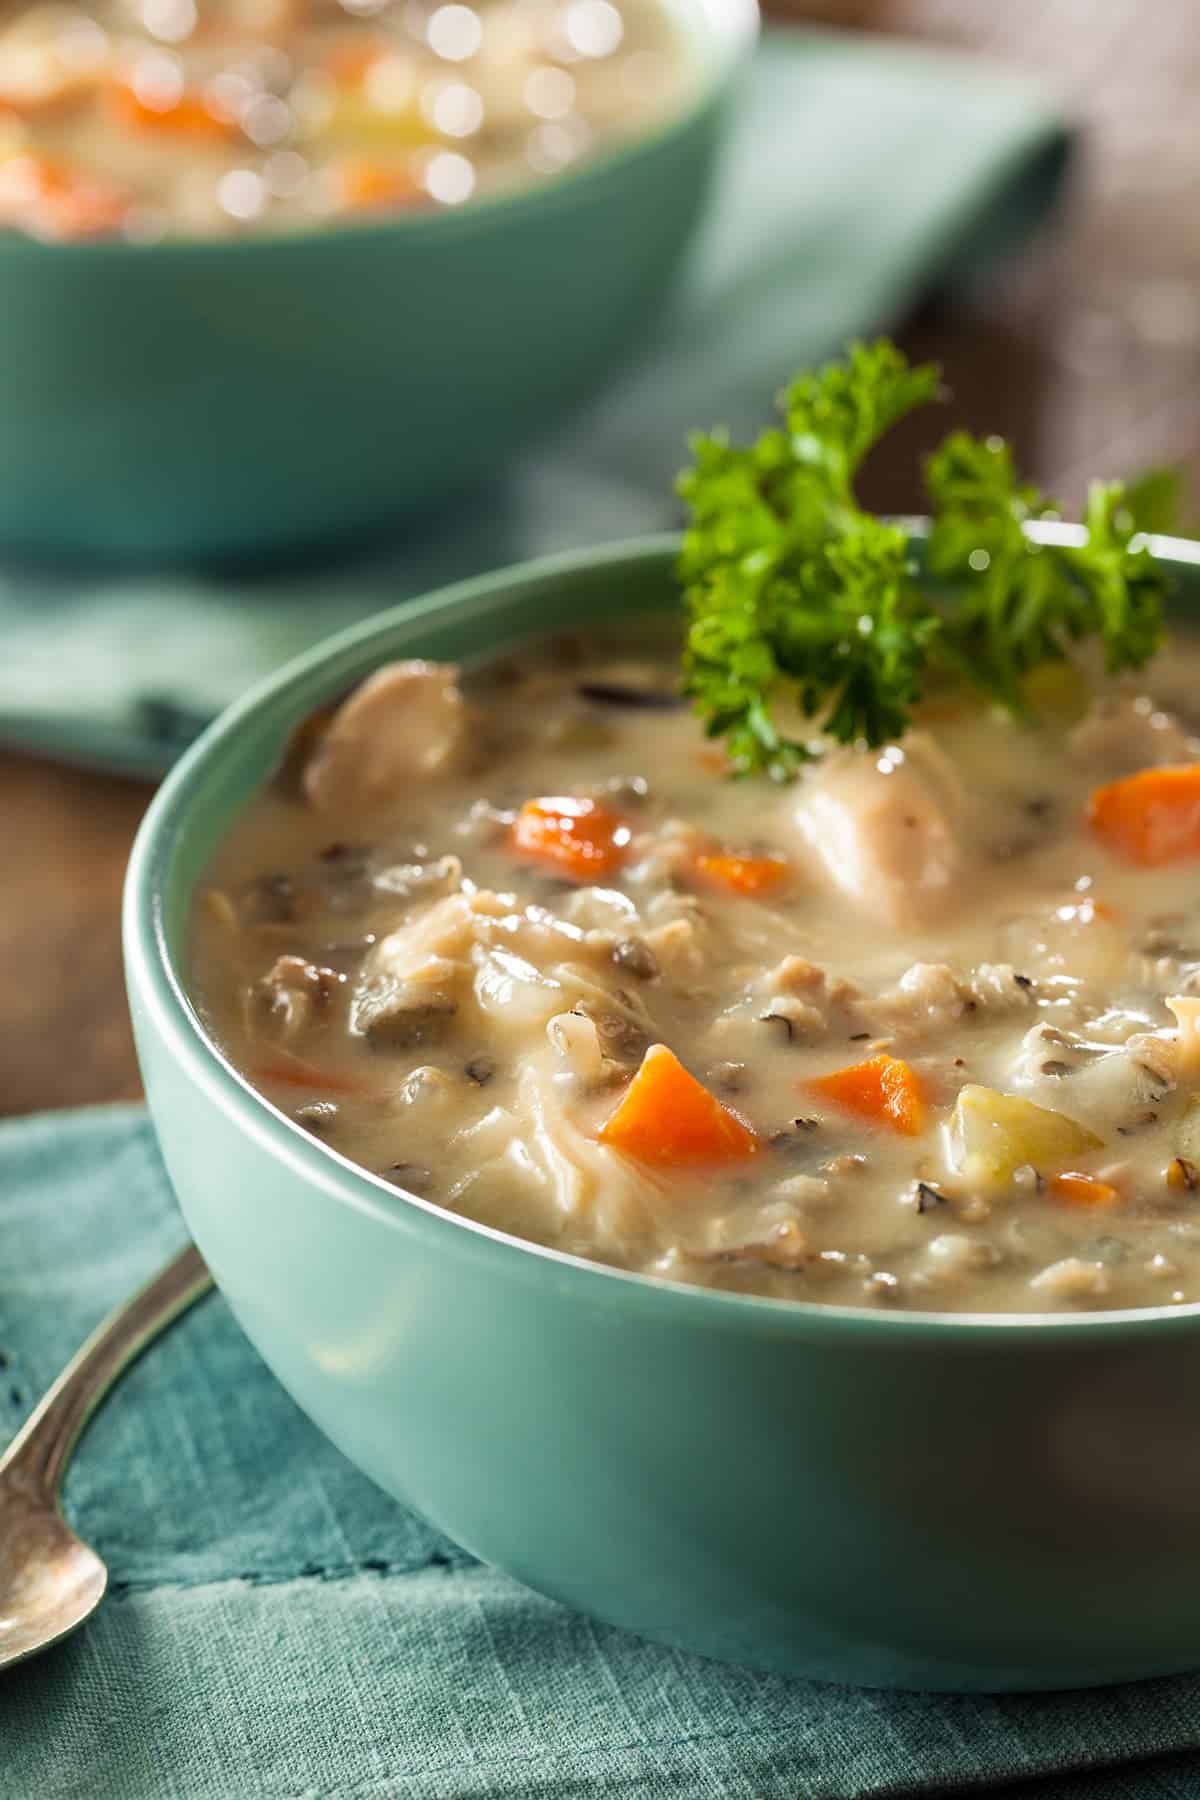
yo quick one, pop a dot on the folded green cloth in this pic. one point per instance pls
(277, 1627)
(862, 172)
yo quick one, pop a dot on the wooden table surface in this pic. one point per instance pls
(1087, 354)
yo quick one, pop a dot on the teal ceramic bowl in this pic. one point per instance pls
(894, 1499)
(204, 401)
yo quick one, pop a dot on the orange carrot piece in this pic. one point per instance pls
(666, 1117)
(299, 1074)
(187, 117)
(1075, 1189)
(1152, 817)
(882, 1089)
(50, 199)
(578, 838)
(749, 875)
(365, 185)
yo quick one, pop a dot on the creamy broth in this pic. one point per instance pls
(167, 118)
(466, 994)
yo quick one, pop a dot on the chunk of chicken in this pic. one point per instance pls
(405, 721)
(289, 994)
(463, 947)
(534, 1171)
(1121, 1088)
(415, 975)
(518, 967)
(885, 828)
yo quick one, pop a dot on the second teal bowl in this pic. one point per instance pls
(899, 1500)
(221, 401)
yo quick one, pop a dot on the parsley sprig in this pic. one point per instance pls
(797, 594)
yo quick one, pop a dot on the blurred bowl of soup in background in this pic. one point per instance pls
(272, 283)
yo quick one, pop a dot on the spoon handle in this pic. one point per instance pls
(41, 1449)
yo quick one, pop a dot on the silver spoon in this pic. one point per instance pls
(50, 1581)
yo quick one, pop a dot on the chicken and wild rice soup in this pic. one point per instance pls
(918, 1029)
(146, 119)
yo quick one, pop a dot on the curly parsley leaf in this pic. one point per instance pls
(835, 415)
(1125, 587)
(790, 584)
(805, 612)
(1018, 603)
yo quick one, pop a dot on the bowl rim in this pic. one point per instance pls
(724, 34)
(158, 986)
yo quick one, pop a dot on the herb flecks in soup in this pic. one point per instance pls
(919, 1029)
(218, 118)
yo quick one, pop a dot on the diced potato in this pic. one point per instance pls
(994, 1134)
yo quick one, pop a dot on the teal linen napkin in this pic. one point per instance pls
(861, 172)
(277, 1627)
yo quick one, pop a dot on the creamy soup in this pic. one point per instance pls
(914, 1031)
(154, 118)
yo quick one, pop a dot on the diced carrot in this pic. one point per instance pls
(50, 199)
(1083, 1190)
(297, 1073)
(186, 117)
(666, 1117)
(749, 875)
(883, 1089)
(1152, 817)
(364, 185)
(578, 838)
